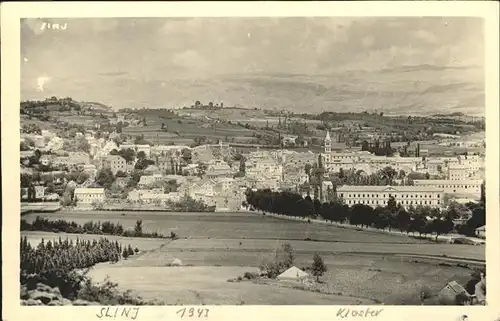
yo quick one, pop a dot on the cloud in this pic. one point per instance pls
(41, 81)
(368, 41)
(426, 36)
(190, 59)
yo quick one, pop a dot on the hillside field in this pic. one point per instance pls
(363, 267)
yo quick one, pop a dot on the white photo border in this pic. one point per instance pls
(11, 14)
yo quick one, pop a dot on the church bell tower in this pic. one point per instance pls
(328, 143)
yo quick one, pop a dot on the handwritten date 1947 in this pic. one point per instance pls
(193, 313)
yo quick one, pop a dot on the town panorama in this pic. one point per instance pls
(263, 186)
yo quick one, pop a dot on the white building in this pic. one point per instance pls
(453, 187)
(115, 163)
(153, 196)
(165, 149)
(146, 180)
(56, 143)
(90, 169)
(404, 195)
(218, 169)
(458, 172)
(86, 196)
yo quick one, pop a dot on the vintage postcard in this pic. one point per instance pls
(274, 160)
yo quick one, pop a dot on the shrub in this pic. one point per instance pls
(107, 294)
(250, 275)
(463, 240)
(282, 260)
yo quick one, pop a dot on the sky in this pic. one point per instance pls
(109, 59)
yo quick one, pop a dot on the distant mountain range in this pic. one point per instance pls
(416, 90)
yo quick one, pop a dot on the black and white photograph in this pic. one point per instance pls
(206, 161)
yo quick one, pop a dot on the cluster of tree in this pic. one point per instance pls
(284, 258)
(78, 144)
(383, 177)
(33, 160)
(188, 204)
(135, 177)
(282, 261)
(65, 264)
(31, 129)
(139, 140)
(316, 172)
(210, 105)
(415, 220)
(67, 255)
(70, 130)
(90, 227)
(30, 194)
(142, 161)
(199, 140)
(105, 178)
(186, 155)
(26, 145)
(477, 219)
(128, 154)
(378, 149)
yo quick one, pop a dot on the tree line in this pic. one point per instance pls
(90, 227)
(421, 219)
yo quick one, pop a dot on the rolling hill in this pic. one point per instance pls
(416, 90)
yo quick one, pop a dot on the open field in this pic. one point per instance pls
(239, 225)
(208, 285)
(215, 247)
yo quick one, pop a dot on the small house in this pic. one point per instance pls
(293, 274)
(451, 291)
(481, 232)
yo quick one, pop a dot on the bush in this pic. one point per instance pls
(282, 261)
(107, 294)
(130, 250)
(463, 240)
(250, 275)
